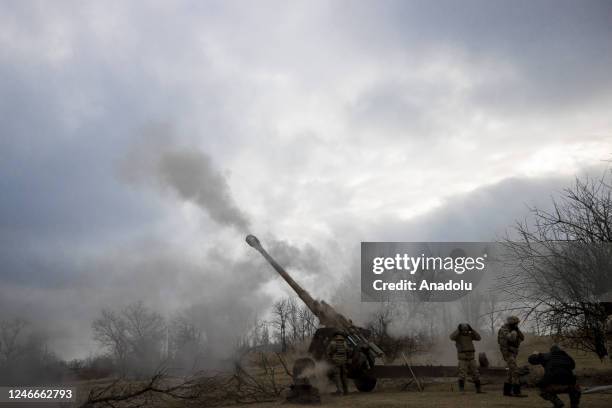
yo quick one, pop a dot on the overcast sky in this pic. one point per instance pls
(140, 141)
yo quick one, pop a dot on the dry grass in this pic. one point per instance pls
(445, 399)
(443, 393)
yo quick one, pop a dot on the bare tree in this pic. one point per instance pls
(471, 307)
(186, 342)
(562, 264)
(492, 311)
(9, 338)
(280, 315)
(24, 355)
(292, 321)
(134, 336)
(307, 321)
(109, 330)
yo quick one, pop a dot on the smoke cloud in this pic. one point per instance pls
(191, 175)
(187, 172)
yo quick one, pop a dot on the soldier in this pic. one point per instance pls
(558, 376)
(509, 338)
(464, 336)
(337, 353)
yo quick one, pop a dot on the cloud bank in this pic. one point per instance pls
(314, 125)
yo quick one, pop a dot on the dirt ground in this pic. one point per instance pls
(445, 399)
(590, 371)
(439, 392)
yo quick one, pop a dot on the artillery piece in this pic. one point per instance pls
(361, 366)
(364, 352)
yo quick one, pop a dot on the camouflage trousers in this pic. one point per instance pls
(338, 374)
(468, 367)
(513, 375)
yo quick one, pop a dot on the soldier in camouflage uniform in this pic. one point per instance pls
(337, 353)
(464, 337)
(509, 338)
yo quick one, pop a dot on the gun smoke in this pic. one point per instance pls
(190, 174)
(224, 291)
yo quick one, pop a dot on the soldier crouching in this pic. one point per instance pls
(337, 353)
(509, 338)
(558, 376)
(464, 336)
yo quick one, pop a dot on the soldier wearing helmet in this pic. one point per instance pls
(464, 337)
(509, 338)
(337, 354)
(558, 376)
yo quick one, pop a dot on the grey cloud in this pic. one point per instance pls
(484, 214)
(395, 108)
(560, 51)
(75, 238)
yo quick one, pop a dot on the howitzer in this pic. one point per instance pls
(364, 353)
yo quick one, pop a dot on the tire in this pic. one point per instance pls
(365, 383)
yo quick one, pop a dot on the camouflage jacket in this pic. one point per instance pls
(337, 351)
(464, 341)
(509, 339)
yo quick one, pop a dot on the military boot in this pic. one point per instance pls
(478, 387)
(574, 396)
(556, 401)
(516, 391)
(507, 390)
(461, 385)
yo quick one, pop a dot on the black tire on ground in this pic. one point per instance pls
(365, 383)
(302, 364)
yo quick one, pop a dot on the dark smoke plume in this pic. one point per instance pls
(187, 172)
(192, 176)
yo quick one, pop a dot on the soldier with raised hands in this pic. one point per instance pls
(464, 337)
(509, 338)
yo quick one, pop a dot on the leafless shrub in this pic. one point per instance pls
(394, 344)
(262, 381)
(130, 394)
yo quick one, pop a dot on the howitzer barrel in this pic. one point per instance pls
(325, 313)
(305, 296)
